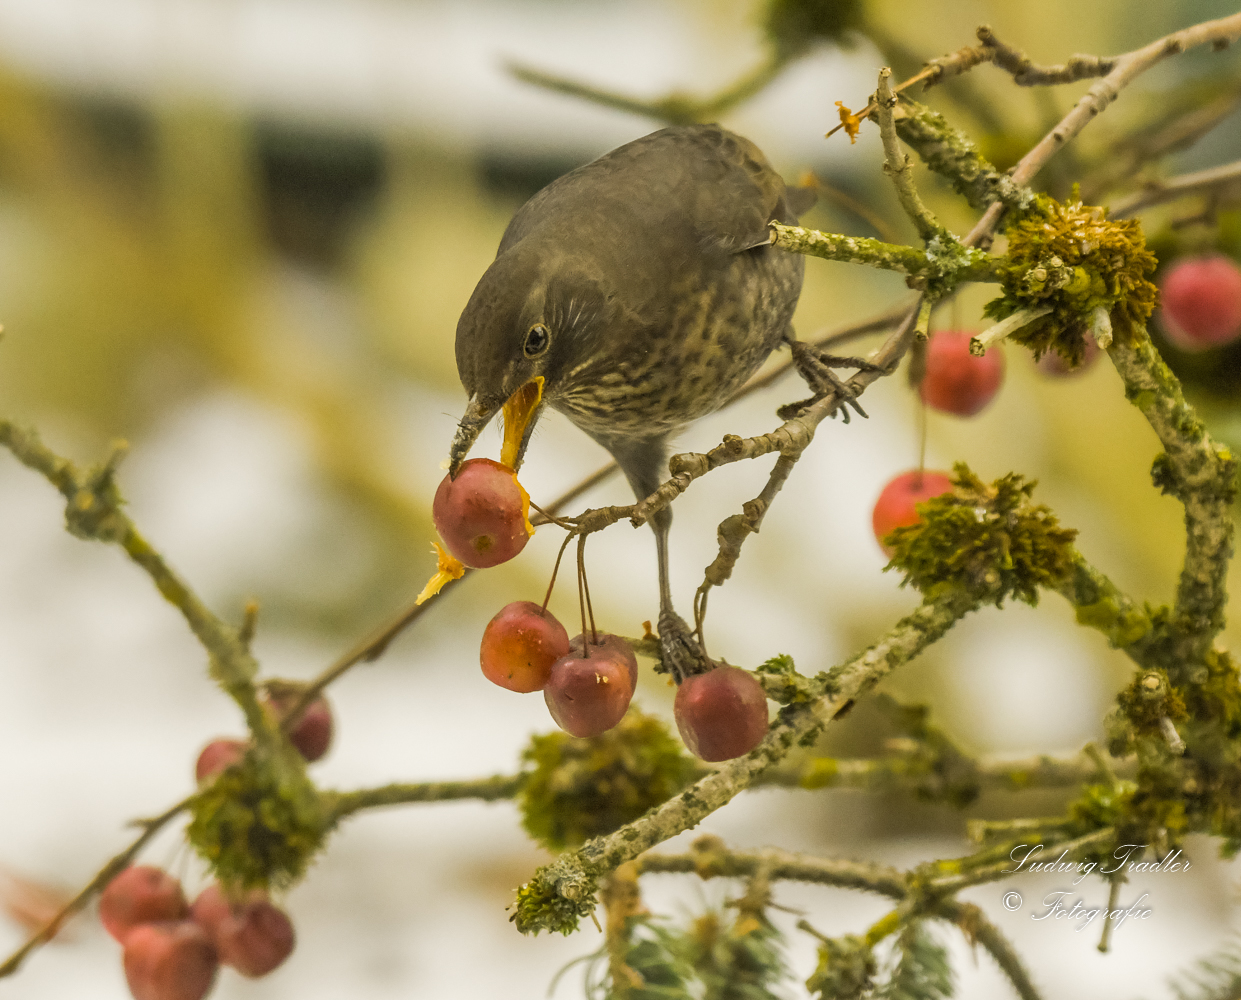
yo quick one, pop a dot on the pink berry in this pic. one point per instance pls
(217, 756)
(588, 695)
(1201, 299)
(957, 381)
(253, 937)
(481, 515)
(896, 506)
(721, 714)
(140, 894)
(1054, 366)
(519, 646)
(312, 735)
(169, 961)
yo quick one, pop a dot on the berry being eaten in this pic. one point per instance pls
(1201, 300)
(897, 503)
(957, 381)
(482, 514)
(519, 646)
(589, 694)
(721, 714)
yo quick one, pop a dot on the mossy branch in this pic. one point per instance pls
(494, 789)
(1201, 474)
(947, 263)
(562, 892)
(950, 153)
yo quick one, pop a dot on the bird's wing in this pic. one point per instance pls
(710, 186)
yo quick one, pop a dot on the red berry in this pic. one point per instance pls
(616, 646)
(895, 507)
(141, 894)
(957, 381)
(1201, 299)
(519, 646)
(721, 714)
(312, 736)
(588, 695)
(253, 937)
(1054, 366)
(169, 961)
(481, 515)
(217, 756)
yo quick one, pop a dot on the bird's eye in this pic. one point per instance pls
(537, 339)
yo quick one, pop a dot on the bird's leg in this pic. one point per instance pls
(681, 653)
(815, 366)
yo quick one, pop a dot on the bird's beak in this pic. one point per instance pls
(520, 409)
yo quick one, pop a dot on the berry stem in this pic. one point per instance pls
(581, 593)
(555, 570)
(585, 583)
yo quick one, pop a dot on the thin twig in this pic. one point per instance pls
(1211, 179)
(105, 875)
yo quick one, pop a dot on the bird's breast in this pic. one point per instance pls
(700, 336)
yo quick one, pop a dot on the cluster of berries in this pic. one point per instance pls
(587, 681)
(172, 950)
(588, 684)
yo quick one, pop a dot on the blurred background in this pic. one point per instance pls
(239, 233)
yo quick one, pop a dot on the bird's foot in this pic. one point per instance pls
(682, 656)
(815, 366)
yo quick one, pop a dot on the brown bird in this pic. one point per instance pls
(635, 294)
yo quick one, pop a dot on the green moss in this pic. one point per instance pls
(989, 541)
(540, 906)
(258, 824)
(1074, 259)
(1150, 698)
(576, 789)
(846, 969)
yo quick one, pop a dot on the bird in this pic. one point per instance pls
(634, 295)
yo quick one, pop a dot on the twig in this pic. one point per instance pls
(1124, 70)
(94, 510)
(1178, 187)
(502, 786)
(105, 875)
(1026, 73)
(675, 109)
(898, 167)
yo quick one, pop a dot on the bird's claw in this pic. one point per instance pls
(815, 366)
(682, 656)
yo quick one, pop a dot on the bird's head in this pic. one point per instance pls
(516, 341)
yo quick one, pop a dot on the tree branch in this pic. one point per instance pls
(1201, 474)
(94, 511)
(572, 878)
